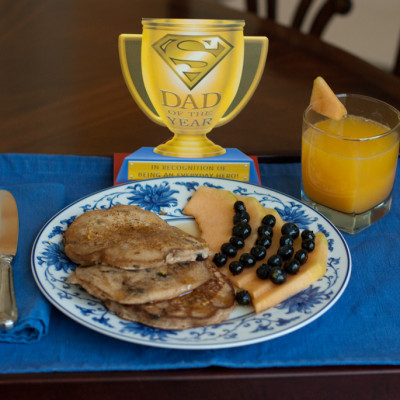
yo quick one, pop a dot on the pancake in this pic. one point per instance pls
(209, 304)
(127, 236)
(141, 285)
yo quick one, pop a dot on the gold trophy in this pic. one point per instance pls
(191, 76)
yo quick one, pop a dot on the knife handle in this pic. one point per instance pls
(8, 304)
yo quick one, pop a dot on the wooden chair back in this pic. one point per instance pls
(326, 11)
(396, 69)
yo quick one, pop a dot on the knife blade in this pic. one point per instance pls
(9, 225)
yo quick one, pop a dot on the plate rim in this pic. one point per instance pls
(207, 346)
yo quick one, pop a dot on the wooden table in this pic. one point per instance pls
(62, 92)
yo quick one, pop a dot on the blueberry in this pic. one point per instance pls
(308, 245)
(285, 252)
(243, 298)
(307, 234)
(264, 241)
(292, 266)
(269, 220)
(301, 256)
(237, 242)
(286, 240)
(239, 206)
(241, 217)
(291, 229)
(247, 260)
(263, 271)
(241, 229)
(235, 267)
(278, 276)
(229, 250)
(265, 230)
(220, 259)
(275, 261)
(258, 252)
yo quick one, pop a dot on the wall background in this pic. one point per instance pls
(370, 31)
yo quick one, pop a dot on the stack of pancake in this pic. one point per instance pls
(146, 270)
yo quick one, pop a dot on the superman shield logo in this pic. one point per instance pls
(192, 57)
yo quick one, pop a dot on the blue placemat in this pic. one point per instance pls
(33, 309)
(361, 329)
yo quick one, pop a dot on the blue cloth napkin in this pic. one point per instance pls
(40, 201)
(360, 329)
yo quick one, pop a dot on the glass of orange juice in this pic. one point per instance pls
(349, 165)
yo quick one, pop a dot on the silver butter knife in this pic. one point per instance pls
(8, 249)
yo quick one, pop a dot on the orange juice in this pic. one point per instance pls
(349, 165)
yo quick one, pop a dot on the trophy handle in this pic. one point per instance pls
(255, 56)
(130, 48)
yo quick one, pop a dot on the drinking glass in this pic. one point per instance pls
(349, 166)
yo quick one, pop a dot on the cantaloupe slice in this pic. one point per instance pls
(257, 212)
(264, 293)
(213, 211)
(324, 101)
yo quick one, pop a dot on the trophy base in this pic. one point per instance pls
(145, 163)
(190, 146)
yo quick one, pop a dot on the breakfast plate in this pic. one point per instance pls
(167, 197)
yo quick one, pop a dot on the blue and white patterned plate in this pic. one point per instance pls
(51, 267)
